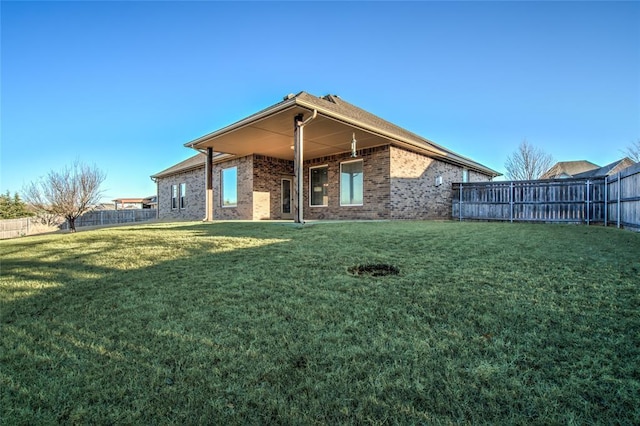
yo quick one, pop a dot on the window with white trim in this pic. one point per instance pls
(183, 192)
(318, 186)
(229, 186)
(174, 197)
(351, 183)
(465, 175)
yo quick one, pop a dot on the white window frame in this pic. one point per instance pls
(174, 196)
(324, 166)
(182, 202)
(348, 162)
(222, 188)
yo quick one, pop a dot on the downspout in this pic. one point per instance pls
(298, 168)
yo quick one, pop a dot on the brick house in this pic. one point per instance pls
(353, 165)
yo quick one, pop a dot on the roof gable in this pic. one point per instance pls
(337, 110)
(564, 169)
(190, 163)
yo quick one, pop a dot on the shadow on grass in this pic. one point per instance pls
(254, 323)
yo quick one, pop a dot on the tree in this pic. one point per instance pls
(13, 207)
(68, 193)
(633, 151)
(527, 163)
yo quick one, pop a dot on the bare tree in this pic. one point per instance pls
(528, 162)
(68, 193)
(633, 151)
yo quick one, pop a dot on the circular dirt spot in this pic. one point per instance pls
(374, 270)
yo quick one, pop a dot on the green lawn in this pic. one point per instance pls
(256, 323)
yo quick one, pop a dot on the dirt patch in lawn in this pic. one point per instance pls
(374, 270)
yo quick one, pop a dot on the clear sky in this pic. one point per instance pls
(124, 85)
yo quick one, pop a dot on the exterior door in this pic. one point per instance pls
(286, 198)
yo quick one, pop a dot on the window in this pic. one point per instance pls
(174, 196)
(465, 175)
(318, 185)
(230, 187)
(351, 183)
(183, 191)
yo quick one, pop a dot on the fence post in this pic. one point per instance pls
(588, 198)
(618, 212)
(511, 201)
(606, 195)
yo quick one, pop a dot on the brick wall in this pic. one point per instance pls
(194, 199)
(244, 209)
(267, 186)
(398, 184)
(414, 191)
(375, 169)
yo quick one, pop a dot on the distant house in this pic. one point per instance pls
(310, 157)
(608, 170)
(585, 169)
(135, 203)
(568, 169)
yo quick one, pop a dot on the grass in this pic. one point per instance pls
(254, 323)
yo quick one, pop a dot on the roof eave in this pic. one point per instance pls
(296, 101)
(279, 107)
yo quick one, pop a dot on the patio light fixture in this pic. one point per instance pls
(353, 146)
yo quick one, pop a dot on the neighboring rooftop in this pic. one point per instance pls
(568, 169)
(585, 169)
(608, 170)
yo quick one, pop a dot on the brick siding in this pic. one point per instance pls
(414, 191)
(244, 208)
(398, 184)
(267, 186)
(375, 168)
(194, 208)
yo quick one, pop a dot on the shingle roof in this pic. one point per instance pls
(336, 107)
(568, 169)
(607, 170)
(340, 106)
(190, 163)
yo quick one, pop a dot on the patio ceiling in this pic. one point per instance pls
(273, 136)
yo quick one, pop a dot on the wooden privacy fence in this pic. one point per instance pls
(111, 217)
(611, 200)
(12, 228)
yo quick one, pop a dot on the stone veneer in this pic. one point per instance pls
(194, 208)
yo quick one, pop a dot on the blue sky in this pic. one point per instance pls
(124, 85)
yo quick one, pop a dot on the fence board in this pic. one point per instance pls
(565, 200)
(623, 198)
(13, 228)
(611, 200)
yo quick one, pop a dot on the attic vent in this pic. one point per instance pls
(331, 98)
(289, 96)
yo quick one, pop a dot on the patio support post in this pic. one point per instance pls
(298, 165)
(209, 186)
(298, 159)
